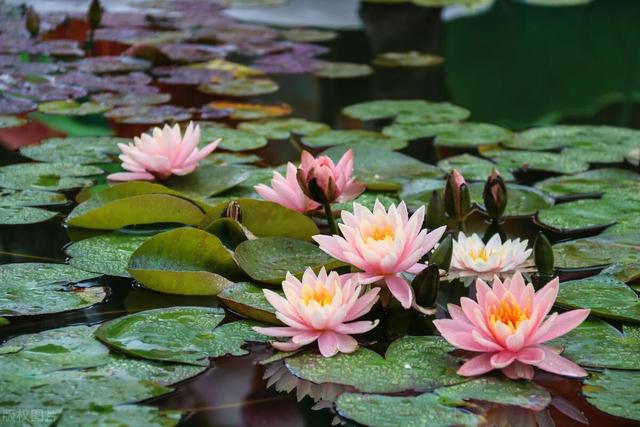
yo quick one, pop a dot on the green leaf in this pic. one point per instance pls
(412, 130)
(185, 261)
(604, 295)
(77, 150)
(4, 322)
(267, 219)
(232, 139)
(240, 87)
(472, 167)
(230, 232)
(342, 70)
(368, 199)
(106, 254)
(125, 415)
(353, 136)
(614, 392)
(596, 344)
(469, 135)
(283, 128)
(410, 363)
(19, 198)
(595, 181)
(24, 215)
(411, 59)
(598, 251)
(270, 258)
(72, 108)
(410, 110)
(209, 180)
(11, 122)
(511, 160)
(187, 335)
(580, 214)
(46, 176)
(583, 137)
(247, 299)
(309, 35)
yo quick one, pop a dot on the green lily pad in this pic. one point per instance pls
(11, 122)
(46, 176)
(341, 70)
(410, 363)
(598, 251)
(240, 87)
(633, 156)
(42, 273)
(267, 219)
(78, 150)
(134, 203)
(589, 213)
(270, 258)
(597, 344)
(411, 59)
(209, 180)
(186, 335)
(248, 300)
(553, 137)
(283, 128)
(595, 181)
(414, 129)
(19, 198)
(125, 415)
(389, 411)
(71, 108)
(230, 232)
(106, 254)
(24, 215)
(473, 168)
(354, 136)
(230, 159)
(185, 261)
(309, 35)
(368, 199)
(604, 295)
(118, 99)
(413, 110)
(510, 160)
(232, 139)
(4, 322)
(614, 392)
(469, 135)
(383, 169)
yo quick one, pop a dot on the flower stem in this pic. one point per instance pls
(330, 219)
(461, 226)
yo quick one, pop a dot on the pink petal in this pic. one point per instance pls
(131, 176)
(476, 366)
(400, 289)
(359, 327)
(559, 365)
(518, 370)
(563, 323)
(530, 355)
(502, 359)
(305, 337)
(277, 331)
(285, 346)
(328, 343)
(346, 343)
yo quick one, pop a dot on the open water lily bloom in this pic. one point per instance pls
(162, 153)
(383, 244)
(508, 326)
(471, 257)
(320, 308)
(286, 191)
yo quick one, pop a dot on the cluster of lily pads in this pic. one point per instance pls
(207, 230)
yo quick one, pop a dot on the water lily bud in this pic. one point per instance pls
(32, 21)
(94, 14)
(425, 286)
(543, 255)
(325, 182)
(435, 211)
(443, 253)
(457, 201)
(495, 195)
(233, 211)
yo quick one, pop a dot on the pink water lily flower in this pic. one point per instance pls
(509, 325)
(162, 153)
(383, 244)
(287, 192)
(325, 182)
(319, 308)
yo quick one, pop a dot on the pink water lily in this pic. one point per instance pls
(509, 325)
(162, 153)
(319, 308)
(383, 244)
(287, 192)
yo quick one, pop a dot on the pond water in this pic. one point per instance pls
(514, 65)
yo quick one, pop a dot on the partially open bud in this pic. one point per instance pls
(457, 201)
(543, 255)
(425, 287)
(32, 21)
(435, 211)
(495, 195)
(233, 211)
(94, 14)
(325, 182)
(443, 253)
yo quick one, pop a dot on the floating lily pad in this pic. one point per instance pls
(24, 215)
(232, 139)
(606, 297)
(287, 63)
(235, 69)
(510, 160)
(230, 232)
(209, 180)
(46, 176)
(106, 254)
(14, 105)
(11, 122)
(79, 150)
(283, 128)
(472, 167)
(597, 344)
(411, 59)
(553, 137)
(111, 64)
(177, 334)
(249, 111)
(633, 157)
(119, 99)
(595, 181)
(414, 129)
(240, 87)
(16, 198)
(248, 300)
(412, 109)
(270, 258)
(185, 261)
(71, 108)
(469, 135)
(587, 213)
(614, 392)
(410, 363)
(230, 159)
(125, 415)
(149, 114)
(309, 35)
(360, 137)
(598, 251)
(267, 219)
(341, 70)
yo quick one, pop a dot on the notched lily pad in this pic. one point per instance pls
(24, 215)
(283, 128)
(209, 180)
(535, 160)
(46, 176)
(79, 150)
(420, 110)
(248, 300)
(71, 108)
(309, 35)
(473, 168)
(232, 139)
(614, 392)
(111, 64)
(355, 136)
(470, 135)
(240, 87)
(119, 99)
(249, 111)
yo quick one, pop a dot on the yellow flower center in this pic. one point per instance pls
(319, 293)
(381, 233)
(481, 254)
(509, 312)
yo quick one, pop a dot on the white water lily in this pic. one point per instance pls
(471, 257)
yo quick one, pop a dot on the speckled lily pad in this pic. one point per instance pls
(46, 176)
(613, 392)
(248, 300)
(411, 59)
(341, 70)
(232, 139)
(283, 128)
(240, 87)
(71, 108)
(361, 137)
(79, 150)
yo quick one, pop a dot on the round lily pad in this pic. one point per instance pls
(387, 108)
(118, 99)
(232, 139)
(250, 111)
(16, 198)
(341, 70)
(79, 150)
(309, 35)
(581, 214)
(613, 392)
(111, 64)
(240, 87)
(468, 135)
(209, 180)
(283, 128)
(411, 59)
(233, 68)
(413, 128)
(11, 122)
(15, 105)
(24, 215)
(361, 137)
(149, 114)
(535, 160)
(269, 259)
(473, 168)
(553, 137)
(248, 300)
(46, 176)
(595, 181)
(71, 108)
(597, 251)
(119, 415)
